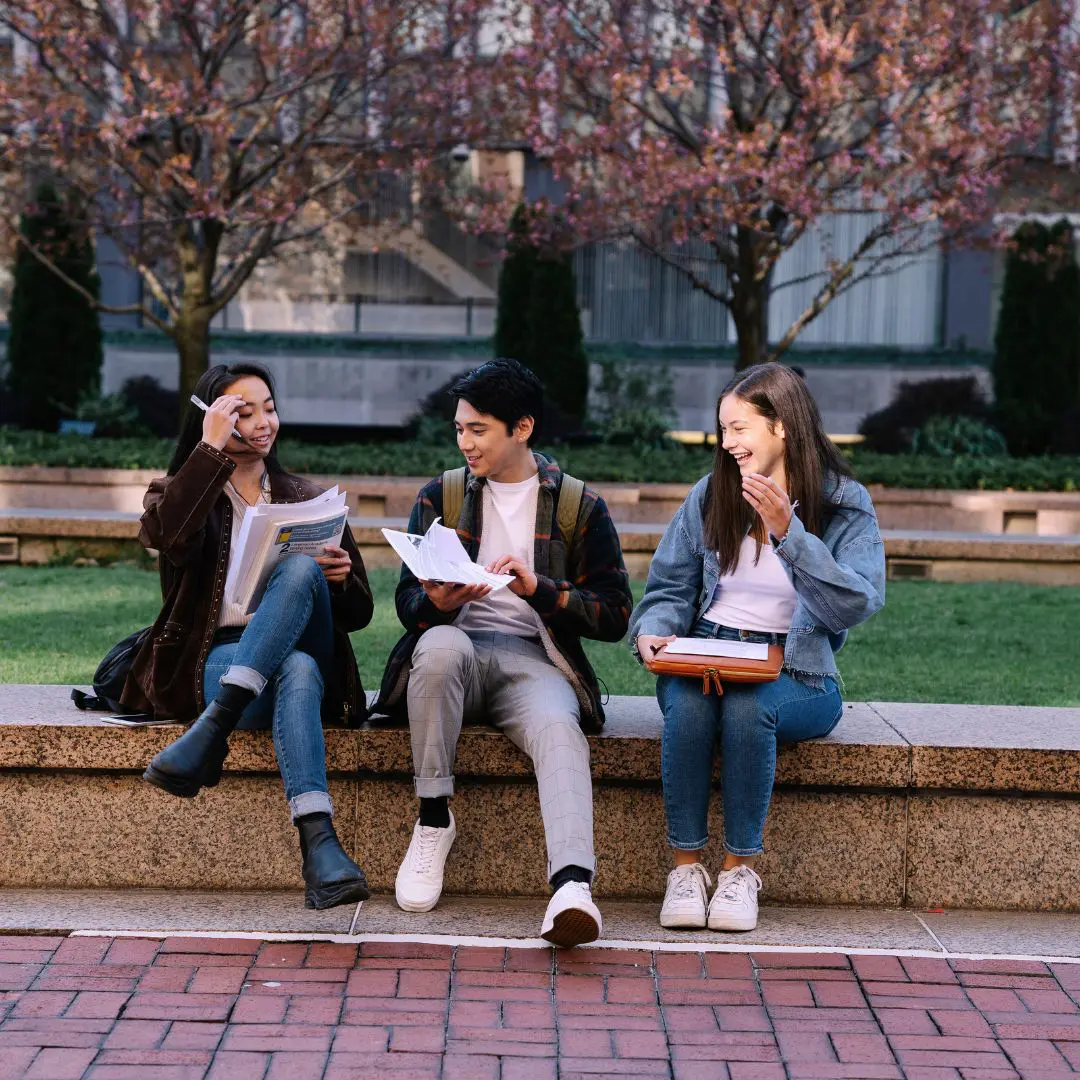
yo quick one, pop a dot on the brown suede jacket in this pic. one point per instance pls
(188, 519)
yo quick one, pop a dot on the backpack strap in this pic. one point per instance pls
(453, 496)
(571, 492)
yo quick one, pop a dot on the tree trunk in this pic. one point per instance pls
(193, 345)
(750, 303)
(750, 313)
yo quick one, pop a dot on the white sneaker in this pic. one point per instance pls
(571, 917)
(686, 898)
(419, 881)
(734, 904)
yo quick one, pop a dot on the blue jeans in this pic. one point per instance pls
(284, 656)
(749, 720)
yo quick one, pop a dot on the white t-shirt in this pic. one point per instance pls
(508, 527)
(753, 597)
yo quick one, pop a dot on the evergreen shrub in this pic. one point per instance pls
(1036, 365)
(54, 351)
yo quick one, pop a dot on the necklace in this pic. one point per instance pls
(264, 490)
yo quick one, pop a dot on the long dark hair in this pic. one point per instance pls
(209, 388)
(809, 456)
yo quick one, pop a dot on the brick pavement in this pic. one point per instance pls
(231, 1010)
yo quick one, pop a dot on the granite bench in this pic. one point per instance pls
(955, 806)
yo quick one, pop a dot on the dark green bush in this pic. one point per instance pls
(947, 436)
(155, 407)
(54, 342)
(1036, 364)
(538, 323)
(633, 403)
(892, 430)
(515, 291)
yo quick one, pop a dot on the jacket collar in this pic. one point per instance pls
(834, 488)
(284, 487)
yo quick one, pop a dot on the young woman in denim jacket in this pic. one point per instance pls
(779, 545)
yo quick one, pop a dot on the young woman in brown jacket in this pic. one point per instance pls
(288, 666)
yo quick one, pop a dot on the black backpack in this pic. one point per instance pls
(110, 675)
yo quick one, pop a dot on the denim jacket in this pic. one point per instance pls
(839, 578)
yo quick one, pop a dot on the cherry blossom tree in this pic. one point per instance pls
(203, 137)
(735, 128)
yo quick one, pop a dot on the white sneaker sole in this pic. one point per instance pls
(730, 922)
(683, 920)
(572, 927)
(416, 906)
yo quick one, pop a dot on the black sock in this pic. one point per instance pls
(308, 819)
(234, 698)
(571, 873)
(435, 813)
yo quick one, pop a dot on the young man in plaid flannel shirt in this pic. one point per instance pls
(513, 657)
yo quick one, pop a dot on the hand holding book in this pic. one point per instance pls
(336, 564)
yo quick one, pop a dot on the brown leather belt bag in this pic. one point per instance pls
(714, 671)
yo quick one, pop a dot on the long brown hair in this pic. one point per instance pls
(809, 456)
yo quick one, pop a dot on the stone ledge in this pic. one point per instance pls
(914, 805)
(42, 729)
(892, 745)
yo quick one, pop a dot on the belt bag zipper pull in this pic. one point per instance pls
(713, 676)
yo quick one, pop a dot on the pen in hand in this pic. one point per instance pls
(196, 400)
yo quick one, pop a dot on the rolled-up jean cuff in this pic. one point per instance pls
(743, 853)
(434, 787)
(311, 802)
(679, 846)
(248, 678)
(585, 859)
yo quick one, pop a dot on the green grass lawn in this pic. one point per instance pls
(984, 644)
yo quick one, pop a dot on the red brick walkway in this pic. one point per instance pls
(140, 1008)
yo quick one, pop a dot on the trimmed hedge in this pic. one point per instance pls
(662, 464)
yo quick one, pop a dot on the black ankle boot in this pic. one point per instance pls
(330, 876)
(194, 761)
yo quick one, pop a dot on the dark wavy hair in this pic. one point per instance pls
(211, 385)
(505, 389)
(809, 457)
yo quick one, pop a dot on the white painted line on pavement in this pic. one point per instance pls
(923, 923)
(540, 943)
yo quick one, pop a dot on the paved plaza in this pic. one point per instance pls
(234, 1008)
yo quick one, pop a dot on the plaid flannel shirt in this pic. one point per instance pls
(590, 598)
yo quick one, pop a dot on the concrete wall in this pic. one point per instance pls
(369, 390)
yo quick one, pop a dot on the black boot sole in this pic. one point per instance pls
(183, 789)
(347, 892)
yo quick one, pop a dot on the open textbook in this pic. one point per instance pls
(438, 556)
(273, 531)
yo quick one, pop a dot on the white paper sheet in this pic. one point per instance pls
(439, 556)
(257, 551)
(736, 650)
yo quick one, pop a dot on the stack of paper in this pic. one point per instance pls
(273, 531)
(438, 556)
(736, 650)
